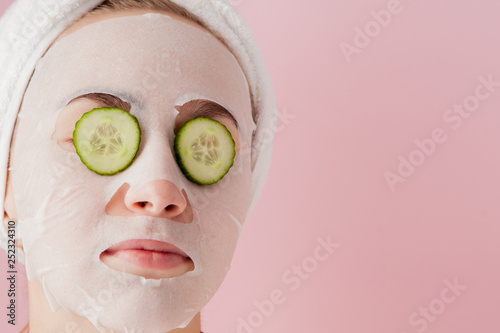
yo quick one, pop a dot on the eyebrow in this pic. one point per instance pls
(209, 109)
(105, 99)
(197, 107)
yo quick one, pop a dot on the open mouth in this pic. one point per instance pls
(148, 258)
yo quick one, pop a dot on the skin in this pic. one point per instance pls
(41, 318)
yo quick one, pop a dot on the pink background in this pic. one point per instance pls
(399, 250)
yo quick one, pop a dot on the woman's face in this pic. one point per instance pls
(162, 70)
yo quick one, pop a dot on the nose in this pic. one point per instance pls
(158, 198)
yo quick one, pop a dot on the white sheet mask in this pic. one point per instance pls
(152, 61)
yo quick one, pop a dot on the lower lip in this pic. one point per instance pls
(150, 259)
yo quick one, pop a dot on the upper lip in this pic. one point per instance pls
(147, 245)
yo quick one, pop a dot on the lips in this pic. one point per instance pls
(147, 245)
(148, 254)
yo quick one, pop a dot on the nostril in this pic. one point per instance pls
(145, 203)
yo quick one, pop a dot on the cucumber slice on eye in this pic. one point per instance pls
(204, 149)
(107, 140)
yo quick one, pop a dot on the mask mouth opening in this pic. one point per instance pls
(148, 258)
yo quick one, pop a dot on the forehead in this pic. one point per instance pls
(100, 16)
(151, 57)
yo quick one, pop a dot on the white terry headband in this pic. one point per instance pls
(29, 27)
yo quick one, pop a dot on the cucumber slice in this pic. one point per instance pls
(107, 140)
(204, 149)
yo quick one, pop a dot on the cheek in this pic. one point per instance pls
(221, 210)
(226, 202)
(232, 192)
(51, 186)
